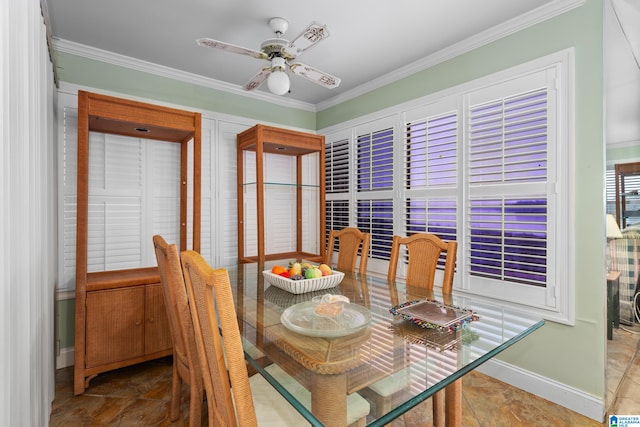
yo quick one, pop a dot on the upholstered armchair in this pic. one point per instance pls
(625, 258)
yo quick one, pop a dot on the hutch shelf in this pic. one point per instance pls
(120, 315)
(260, 140)
(627, 198)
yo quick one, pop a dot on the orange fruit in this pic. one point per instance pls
(278, 269)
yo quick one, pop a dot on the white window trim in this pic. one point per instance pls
(560, 290)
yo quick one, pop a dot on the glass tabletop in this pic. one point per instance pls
(390, 355)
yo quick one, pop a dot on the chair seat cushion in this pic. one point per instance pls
(271, 408)
(391, 384)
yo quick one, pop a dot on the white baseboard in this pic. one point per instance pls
(553, 391)
(65, 358)
(561, 394)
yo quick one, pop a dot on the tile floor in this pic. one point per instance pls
(139, 396)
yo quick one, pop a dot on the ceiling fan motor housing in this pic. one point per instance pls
(276, 47)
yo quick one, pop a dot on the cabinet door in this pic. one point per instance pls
(157, 335)
(115, 325)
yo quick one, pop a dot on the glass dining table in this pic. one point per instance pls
(379, 352)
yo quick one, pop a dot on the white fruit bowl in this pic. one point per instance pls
(303, 285)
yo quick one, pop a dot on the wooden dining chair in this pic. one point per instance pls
(350, 240)
(234, 398)
(424, 251)
(186, 366)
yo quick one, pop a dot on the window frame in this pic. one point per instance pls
(555, 301)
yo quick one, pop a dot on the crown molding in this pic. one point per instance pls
(96, 54)
(506, 28)
(512, 26)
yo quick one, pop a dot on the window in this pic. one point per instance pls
(483, 164)
(337, 164)
(431, 173)
(631, 186)
(375, 216)
(507, 144)
(610, 178)
(374, 185)
(375, 161)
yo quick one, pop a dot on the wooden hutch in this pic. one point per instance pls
(263, 139)
(120, 316)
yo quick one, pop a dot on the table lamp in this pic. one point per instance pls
(613, 232)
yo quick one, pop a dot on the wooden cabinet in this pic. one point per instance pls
(257, 142)
(117, 328)
(120, 314)
(627, 194)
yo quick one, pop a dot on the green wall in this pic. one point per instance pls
(571, 355)
(100, 75)
(65, 318)
(625, 154)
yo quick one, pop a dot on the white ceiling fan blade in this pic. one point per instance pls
(258, 79)
(309, 38)
(206, 42)
(315, 75)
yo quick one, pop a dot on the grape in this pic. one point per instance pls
(297, 277)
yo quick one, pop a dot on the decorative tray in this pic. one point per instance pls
(430, 314)
(439, 340)
(303, 285)
(302, 319)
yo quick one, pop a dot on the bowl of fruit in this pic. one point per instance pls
(299, 278)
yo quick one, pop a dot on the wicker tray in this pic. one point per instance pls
(304, 285)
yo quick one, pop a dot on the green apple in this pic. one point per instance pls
(312, 273)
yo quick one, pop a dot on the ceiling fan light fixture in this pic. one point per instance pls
(278, 82)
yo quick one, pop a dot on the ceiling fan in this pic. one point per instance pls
(281, 54)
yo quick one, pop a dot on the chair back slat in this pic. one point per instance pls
(210, 292)
(423, 250)
(350, 241)
(185, 353)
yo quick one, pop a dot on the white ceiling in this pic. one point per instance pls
(370, 41)
(622, 72)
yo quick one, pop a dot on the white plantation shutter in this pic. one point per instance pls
(431, 158)
(223, 221)
(374, 157)
(69, 167)
(115, 205)
(610, 179)
(337, 166)
(134, 194)
(509, 239)
(485, 164)
(515, 185)
(374, 183)
(508, 139)
(375, 216)
(165, 191)
(507, 214)
(337, 185)
(134, 189)
(430, 173)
